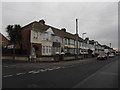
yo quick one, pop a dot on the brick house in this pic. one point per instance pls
(4, 41)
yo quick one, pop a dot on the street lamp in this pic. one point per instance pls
(83, 35)
(110, 45)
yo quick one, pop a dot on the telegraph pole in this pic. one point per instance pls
(77, 38)
(76, 26)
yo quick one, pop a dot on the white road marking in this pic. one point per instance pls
(50, 69)
(20, 73)
(31, 71)
(7, 75)
(43, 70)
(36, 71)
(57, 67)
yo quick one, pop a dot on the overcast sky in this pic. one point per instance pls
(98, 19)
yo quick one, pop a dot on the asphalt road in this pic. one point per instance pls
(71, 74)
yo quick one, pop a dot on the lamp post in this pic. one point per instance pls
(83, 35)
(110, 45)
(110, 48)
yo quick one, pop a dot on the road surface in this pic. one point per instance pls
(71, 74)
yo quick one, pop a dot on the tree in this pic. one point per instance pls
(10, 33)
(14, 34)
(18, 36)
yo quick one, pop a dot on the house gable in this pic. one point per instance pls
(49, 30)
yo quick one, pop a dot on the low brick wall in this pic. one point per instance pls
(45, 59)
(25, 58)
(7, 57)
(21, 58)
(69, 58)
(41, 59)
(15, 59)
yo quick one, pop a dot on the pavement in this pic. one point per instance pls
(46, 64)
(106, 77)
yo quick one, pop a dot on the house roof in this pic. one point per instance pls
(65, 34)
(91, 41)
(28, 26)
(37, 26)
(3, 38)
(106, 47)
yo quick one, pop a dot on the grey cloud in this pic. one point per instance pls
(98, 20)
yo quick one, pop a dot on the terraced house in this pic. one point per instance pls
(48, 40)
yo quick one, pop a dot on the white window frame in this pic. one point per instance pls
(45, 36)
(71, 41)
(35, 35)
(43, 49)
(47, 49)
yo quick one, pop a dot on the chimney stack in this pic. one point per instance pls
(63, 29)
(42, 21)
(87, 38)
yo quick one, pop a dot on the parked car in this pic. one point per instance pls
(102, 56)
(111, 55)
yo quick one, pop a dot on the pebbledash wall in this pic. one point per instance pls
(36, 42)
